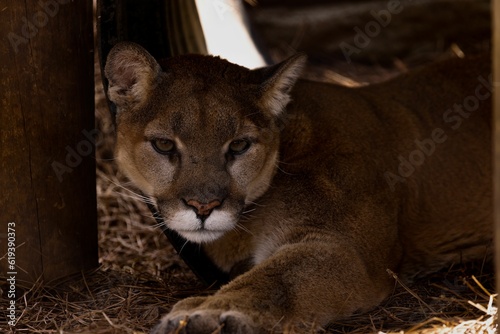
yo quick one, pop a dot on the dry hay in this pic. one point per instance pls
(140, 277)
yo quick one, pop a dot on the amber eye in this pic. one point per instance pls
(239, 146)
(163, 146)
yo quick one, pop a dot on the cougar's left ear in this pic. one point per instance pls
(132, 74)
(278, 82)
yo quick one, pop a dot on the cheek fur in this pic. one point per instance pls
(133, 172)
(260, 184)
(149, 171)
(253, 173)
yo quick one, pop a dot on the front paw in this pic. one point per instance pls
(206, 321)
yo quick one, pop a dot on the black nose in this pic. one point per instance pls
(203, 210)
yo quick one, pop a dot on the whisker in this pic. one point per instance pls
(248, 211)
(243, 228)
(150, 216)
(142, 198)
(256, 204)
(180, 250)
(138, 196)
(248, 218)
(282, 170)
(133, 194)
(159, 225)
(122, 186)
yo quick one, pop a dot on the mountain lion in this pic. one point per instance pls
(306, 192)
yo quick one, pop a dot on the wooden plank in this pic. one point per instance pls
(47, 168)
(496, 134)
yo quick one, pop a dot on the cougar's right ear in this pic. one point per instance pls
(132, 74)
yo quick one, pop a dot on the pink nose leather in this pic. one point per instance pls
(203, 209)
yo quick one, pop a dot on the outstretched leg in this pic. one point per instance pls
(302, 284)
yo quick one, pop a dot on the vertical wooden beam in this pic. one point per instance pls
(47, 168)
(495, 20)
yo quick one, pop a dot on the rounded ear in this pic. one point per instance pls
(278, 82)
(132, 74)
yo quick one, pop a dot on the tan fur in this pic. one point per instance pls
(316, 205)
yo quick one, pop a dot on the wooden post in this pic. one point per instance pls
(47, 165)
(495, 21)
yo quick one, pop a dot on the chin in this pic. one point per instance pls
(201, 236)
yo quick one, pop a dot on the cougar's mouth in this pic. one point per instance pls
(190, 227)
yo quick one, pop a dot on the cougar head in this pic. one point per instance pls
(198, 134)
